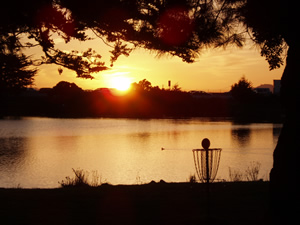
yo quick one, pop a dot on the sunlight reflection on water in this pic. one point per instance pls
(39, 152)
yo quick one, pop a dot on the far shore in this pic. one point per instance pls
(154, 203)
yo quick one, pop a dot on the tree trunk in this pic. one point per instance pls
(284, 176)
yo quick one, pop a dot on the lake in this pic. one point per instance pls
(39, 152)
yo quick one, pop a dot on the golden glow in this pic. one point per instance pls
(120, 83)
(214, 71)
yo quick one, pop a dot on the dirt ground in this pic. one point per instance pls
(155, 203)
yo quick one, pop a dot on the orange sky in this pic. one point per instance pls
(214, 70)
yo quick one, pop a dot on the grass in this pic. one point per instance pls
(252, 171)
(250, 174)
(82, 179)
(235, 175)
(192, 179)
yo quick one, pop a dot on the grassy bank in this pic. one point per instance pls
(154, 203)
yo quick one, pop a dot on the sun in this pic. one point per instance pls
(121, 83)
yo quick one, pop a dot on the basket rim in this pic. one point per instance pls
(210, 149)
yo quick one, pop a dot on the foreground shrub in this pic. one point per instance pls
(252, 171)
(235, 175)
(81, 179)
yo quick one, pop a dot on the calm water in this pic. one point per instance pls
(39, 152)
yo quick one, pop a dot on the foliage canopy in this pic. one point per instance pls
(180, 28)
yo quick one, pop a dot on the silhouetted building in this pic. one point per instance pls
(277, 85)
(263, 91)
(202, 94)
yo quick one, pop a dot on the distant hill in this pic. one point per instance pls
(270, 86)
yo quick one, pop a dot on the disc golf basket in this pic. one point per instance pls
(207, 161)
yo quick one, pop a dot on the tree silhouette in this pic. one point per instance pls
(242, 90)
(143, 85)
(66, 88)
(14, 72)
(176, 87)
(32, 23)
(179, 28)
(270, 23)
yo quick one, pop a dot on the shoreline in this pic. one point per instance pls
(237, 120)
(153, 203)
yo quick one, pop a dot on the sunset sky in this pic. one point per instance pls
(214, 71)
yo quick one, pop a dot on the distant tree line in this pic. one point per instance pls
(142, 101)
